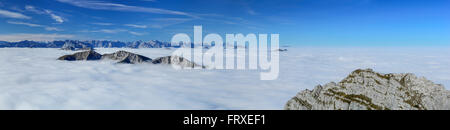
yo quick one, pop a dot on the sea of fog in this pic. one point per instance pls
(34, 79)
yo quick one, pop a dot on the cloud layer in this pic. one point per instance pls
(34, 79)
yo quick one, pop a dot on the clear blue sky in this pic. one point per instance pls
(299, 22)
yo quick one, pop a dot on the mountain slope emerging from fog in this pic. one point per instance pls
(130, 58)
(369, 90)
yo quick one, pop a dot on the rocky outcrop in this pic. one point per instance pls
(86, 55)
(369, 90)
(130, 58)
(176, 60)
(127, 57)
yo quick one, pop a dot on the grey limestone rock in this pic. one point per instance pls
(86, 55)
(127, 57)
(130, 58)
(180, 61)
(369, 90)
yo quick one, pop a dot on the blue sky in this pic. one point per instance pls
(299, 22)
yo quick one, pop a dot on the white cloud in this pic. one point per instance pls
(103, 24)
(15, 15)
(172, 19)
(136, 26)
(100, 5)
(55, 17)
(35, 25)
(34, 37)
(218, 18)
(33, 9)
(136, 33)
(165, 22)
(23, 23)
(251, 12)
(53, 29)
(111, 31)
(52, 15)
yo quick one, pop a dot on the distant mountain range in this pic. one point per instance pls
(89, 44)
(77, 44)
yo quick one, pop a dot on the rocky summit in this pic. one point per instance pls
(369, 90)
(176, 60)
(86, 55)
(126, 57)
(130, 58)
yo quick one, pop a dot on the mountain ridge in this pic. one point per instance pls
(77, 44)
(125, 57)
(365, 89)
(90, 44)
